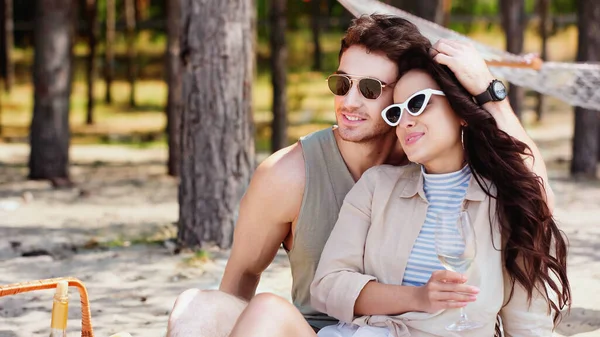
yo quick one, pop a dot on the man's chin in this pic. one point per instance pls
(350, 135)
(364, 134)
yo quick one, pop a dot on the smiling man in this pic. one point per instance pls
(295, 195)
(308, 182)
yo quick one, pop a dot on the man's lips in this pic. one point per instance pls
(352, 118)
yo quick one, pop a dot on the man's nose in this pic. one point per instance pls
(353, 98)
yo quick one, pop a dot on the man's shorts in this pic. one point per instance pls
(352, 330)
(318, 324)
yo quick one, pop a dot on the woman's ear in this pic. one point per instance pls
(463, 123)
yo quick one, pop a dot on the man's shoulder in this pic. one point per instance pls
(284, 167)
(317, 136)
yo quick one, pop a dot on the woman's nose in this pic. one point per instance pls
(406, 120)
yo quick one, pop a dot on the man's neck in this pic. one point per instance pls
(360, 157)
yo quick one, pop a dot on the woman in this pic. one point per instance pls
(379, 273)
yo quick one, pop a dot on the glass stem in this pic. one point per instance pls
(463, 315)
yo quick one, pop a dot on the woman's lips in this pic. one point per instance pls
(413, 137)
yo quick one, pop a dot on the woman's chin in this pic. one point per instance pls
(415, 159)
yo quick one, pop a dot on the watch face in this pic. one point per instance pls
(499, 90)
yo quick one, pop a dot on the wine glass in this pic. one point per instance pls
(455, 247)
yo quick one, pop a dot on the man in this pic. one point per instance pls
(295, 195)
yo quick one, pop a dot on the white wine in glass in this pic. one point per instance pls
(456, 248)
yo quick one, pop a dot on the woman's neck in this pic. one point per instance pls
(454, 161)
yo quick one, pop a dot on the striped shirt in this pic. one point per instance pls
(445, 193)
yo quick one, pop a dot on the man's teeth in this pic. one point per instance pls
(351, 118)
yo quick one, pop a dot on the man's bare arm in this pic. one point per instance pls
(271, 203)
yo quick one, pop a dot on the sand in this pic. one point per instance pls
(109, 232)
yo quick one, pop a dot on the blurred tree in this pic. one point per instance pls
(431, 10)
(52, 74)
(401, 4)
(543, 9)
(514, 23)
(142, 9)
(109, 57)
(315, 17)
(586, 137)
(91, 10)
(218, 51)
(174, 86)
(564, 6)
(279, 73)
(131, 53)
(446, 11)
(7, 67)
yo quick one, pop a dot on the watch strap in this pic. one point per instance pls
(484, 97)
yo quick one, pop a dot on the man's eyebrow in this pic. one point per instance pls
(341, 72)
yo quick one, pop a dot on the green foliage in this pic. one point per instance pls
(563, 6)
(475, 7)
(199, 258)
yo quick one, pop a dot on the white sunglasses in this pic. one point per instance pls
(414, 105)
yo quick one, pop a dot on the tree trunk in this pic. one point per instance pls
(598, 115)
(109, 62)
(142, 8)
(587, 123)
(431, 10)
(174, 86)
(405, 5)
(92, 30)
(7, 67)
(315, 27)
(514, 23)
(52, 73)
(279, 73)
(544, 12)
(131, 54)
(446, 12)
(3, 48)
(218, 43)
(6, 46)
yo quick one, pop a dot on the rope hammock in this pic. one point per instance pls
(575, 83)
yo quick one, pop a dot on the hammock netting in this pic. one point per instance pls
(574, 83)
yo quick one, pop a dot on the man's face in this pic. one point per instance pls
(358, 118)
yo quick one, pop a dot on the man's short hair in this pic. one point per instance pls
(387, 34)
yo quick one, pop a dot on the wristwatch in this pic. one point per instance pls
(496, 91)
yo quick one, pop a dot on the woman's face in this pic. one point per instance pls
(432, 138)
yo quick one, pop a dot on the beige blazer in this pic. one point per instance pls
(372, 240)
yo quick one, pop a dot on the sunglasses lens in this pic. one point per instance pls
(393, 114)
(370, 88)
(339, 85)
(416, 103)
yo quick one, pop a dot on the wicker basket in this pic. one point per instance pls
(17, 288)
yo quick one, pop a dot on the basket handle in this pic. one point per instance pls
(17, 288)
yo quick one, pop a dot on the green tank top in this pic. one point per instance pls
(326, 185)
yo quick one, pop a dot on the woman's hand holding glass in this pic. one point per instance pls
(445, 290)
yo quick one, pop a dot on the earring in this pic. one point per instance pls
(462, 137)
